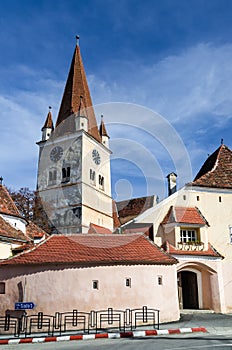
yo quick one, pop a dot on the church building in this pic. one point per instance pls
(74, 178)
(171, 255)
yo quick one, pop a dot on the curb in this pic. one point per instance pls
(133, 334)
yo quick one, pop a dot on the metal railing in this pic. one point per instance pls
(110, 320)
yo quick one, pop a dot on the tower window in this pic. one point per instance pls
(160, 280)
(52, 176)
(220, 199)
(198, 198)
(66, 174)
(101, 182)
(92, 176)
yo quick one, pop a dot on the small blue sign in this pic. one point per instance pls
(24, 306)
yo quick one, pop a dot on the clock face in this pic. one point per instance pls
(56, 153)
(96, 157)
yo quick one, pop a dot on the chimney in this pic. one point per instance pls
(171, 183)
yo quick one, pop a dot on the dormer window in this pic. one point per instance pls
(187, 236)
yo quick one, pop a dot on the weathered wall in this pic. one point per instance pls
(64, 289)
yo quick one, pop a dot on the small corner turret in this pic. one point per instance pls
(48, 126)
(171, 183)
(81, 119)
(103, 133)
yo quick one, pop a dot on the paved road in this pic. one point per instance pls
(191, 342)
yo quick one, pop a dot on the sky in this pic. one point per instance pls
(159, 71)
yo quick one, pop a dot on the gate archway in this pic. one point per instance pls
(188, 290)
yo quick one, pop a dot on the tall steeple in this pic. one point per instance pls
(76, 88)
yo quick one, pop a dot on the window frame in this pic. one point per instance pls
(191, 235)
(2, 288)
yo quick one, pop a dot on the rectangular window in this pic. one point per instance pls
(160, 280)
(188, 236)
(101, 182)
(52, 177)
(66, 174)
(95, 284)
(92, 176)
(230, 230)
(2, 288)
(128, 282)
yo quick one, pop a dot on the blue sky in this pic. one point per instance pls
(171, 57)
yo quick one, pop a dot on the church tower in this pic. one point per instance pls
(74, 182)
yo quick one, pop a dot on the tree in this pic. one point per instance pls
(24, 199)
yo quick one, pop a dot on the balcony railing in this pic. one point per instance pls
(190, 246)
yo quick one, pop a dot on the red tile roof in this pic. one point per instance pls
(129, 209)
(34, 231)
(77, 92)
(217, 170)
(7, 205)
(10, 233)
(98, 229)
(184, 215)
(211, 251)
(92, 250)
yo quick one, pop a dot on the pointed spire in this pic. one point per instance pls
(77, 86)
(48, 122)
(102, 128)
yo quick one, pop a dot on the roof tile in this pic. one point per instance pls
(7, 205)
(217, 170)
(184, 215)
(94, 250)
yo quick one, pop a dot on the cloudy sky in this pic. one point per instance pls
(167, 64)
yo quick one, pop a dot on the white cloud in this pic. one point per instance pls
(184, 88)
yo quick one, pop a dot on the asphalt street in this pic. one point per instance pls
(219, 336)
